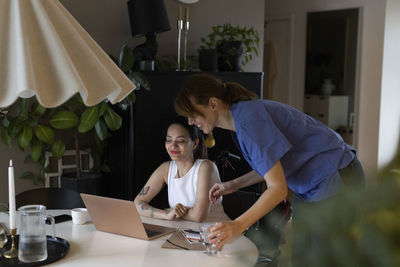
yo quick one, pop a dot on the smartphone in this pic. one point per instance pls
(60, 218)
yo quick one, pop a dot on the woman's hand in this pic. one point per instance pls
(220, 189)
(176, 212)
(225, 231)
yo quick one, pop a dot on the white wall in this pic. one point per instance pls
(368, 93)
(108, 23)
(389, 119)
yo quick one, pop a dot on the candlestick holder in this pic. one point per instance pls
(13, 251)
(185, 40)
(180, 28)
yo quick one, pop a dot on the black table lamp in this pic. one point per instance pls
(147, 17)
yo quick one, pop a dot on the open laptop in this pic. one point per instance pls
(120, 217)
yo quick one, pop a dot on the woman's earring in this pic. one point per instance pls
(210, 141)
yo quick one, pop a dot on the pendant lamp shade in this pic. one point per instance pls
(45, 52)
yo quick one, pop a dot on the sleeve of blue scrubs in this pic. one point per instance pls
(263, 143)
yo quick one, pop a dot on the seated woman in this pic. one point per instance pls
(189, 176)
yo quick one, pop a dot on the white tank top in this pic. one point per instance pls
(183, 190)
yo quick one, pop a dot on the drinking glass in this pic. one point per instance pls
(32, 236)
(3, 239)
(205, 230)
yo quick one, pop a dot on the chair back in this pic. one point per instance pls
(51, 197)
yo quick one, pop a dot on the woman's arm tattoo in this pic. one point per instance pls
(144, 191)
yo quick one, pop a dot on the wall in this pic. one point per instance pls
(108, 23)
(389, 119)
(368, 89)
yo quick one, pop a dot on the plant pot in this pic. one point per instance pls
(208, 60)
(89, 182)
(230, 55)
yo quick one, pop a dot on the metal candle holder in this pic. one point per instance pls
(186, 31)
(13, 251)
(180, 27)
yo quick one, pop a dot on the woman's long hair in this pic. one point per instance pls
(200, 87)
(201, 150)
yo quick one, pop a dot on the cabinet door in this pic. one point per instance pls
(321, 108)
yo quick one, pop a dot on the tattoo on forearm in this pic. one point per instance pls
(152, 212)
(144, 191)
(144, 206)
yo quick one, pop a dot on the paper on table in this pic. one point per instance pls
(178, 241)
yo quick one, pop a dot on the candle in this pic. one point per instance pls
(186, 14)
(179, 12)
(11, 195)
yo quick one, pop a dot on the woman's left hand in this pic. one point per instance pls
(223, 232)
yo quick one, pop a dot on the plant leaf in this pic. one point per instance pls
(112, 119)
(88, 119)
(26, 175)
(58, 149)
(36, 179)
(5, 137)
(105, 168)
(64, 120)
(44, 133)
(15, 127)
(36, 150)
(103, 108)
(38, 109)
(126, 58)
(5, 122)
(101, 130)
(25, 137)
(140, 80)
(23, 106)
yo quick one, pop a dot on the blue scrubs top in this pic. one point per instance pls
(310, 152)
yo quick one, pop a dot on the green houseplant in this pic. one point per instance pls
(235, 45)
(42, 130)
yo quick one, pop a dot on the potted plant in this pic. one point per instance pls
(235, 45)
(42, 130)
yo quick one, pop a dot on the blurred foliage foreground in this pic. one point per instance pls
(356, 228)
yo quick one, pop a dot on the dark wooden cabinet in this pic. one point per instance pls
(137, 149)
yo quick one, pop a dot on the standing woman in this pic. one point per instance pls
(283, 146)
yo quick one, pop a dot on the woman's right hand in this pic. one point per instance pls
(220, 189)
(176, 212)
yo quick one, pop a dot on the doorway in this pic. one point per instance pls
(330, 72)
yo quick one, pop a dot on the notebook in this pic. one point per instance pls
(120, 217)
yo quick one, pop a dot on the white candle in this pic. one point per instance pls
(11, 195)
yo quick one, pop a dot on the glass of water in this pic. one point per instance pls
(205, 230)
(32, 236)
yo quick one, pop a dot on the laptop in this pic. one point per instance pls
(121, 217)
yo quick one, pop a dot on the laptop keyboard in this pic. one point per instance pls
(151, 233)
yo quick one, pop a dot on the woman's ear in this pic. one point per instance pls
(213, 103)
(196, 144)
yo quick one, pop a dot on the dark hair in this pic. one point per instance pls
(201, 150)
(200, 87)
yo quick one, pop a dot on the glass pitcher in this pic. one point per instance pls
(32, 233)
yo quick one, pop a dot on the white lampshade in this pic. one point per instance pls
(45, 52)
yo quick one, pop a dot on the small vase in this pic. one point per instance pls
(327, 87)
